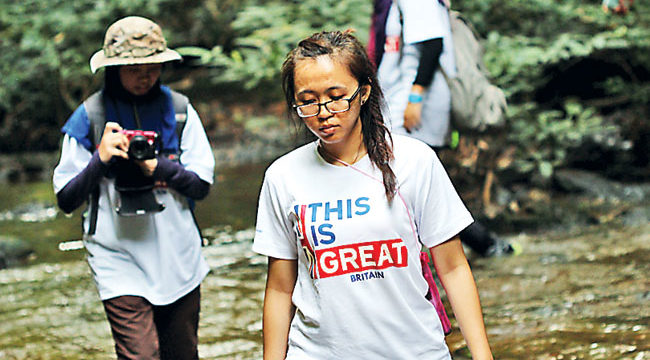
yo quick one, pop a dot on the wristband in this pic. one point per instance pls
(415, 98)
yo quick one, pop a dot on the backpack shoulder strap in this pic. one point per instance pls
(94, 106)
(180, 103)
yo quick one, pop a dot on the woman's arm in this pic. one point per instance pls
(430, 51)
(76, 191)
(186, 182)
(278, 308)
(456, 277)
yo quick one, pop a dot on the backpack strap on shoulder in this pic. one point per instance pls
(94, 106)
(180, 103)
(93, 205)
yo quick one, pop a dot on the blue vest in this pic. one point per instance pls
(156, 115)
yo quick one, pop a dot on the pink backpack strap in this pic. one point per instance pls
(434, 294)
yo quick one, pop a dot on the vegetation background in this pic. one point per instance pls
(577, 79)
(578, 86)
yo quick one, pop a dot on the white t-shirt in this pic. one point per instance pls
(154, 256)
(423, 20)
(360, 293)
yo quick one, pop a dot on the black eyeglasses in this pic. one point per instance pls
(333, 106)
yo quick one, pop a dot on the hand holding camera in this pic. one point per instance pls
(132, 154)
(113, 143)
(141, 146)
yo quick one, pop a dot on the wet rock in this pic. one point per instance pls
(13, 251)
(637, 216)
(644, 297)
(591, 184)
(547, 259)
(503, 196)
(32, 166)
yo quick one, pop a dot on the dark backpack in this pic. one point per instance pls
(94, 106)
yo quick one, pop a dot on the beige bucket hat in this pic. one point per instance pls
(133, 40)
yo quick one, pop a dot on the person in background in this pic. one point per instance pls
(617, 6)
(410, 42)
(143, 245)
(343, 219)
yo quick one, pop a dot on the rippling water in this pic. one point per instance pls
(567, 296)
(578, 294)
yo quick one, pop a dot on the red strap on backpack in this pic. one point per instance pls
(433, 295)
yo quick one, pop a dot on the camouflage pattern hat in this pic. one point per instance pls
(133, 40)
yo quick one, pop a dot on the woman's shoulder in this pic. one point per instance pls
(411, 148)
(288, 163)
(412, 155)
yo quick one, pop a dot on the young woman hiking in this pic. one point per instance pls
(144, 248)
(343, 219)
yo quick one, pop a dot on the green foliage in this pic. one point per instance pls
(45, 46)
(565, 65)
(510, 57)
(543, 143)
(530, 45)
(534, 51)
(266, 33)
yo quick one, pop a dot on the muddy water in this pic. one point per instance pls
(567, 296)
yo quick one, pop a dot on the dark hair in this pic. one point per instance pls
(345, 49)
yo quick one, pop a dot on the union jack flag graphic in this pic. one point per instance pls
(304, 242)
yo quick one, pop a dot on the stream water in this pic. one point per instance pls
(28, 212)
(572, 294)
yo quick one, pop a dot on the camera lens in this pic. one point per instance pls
(139, 148)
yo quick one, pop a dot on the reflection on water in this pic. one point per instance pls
(233, 199)
(31, 213)
(28, 212)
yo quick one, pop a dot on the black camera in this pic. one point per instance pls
(143, 144)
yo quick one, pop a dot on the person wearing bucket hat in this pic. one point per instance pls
(143, 244)
(133, 40)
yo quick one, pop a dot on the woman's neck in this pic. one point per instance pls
(348, 153)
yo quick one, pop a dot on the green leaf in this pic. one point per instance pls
(546, 169)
